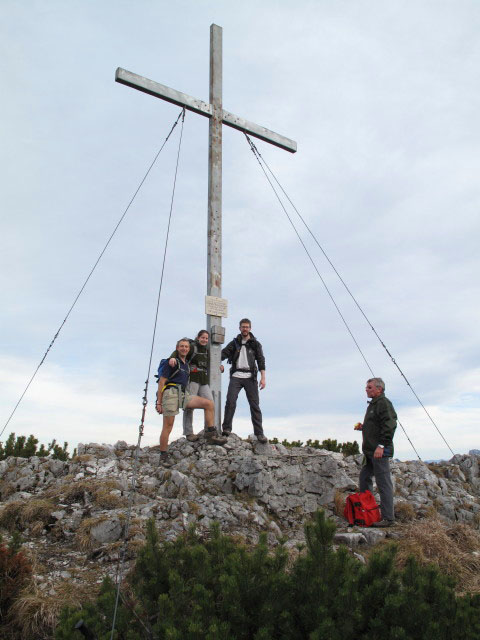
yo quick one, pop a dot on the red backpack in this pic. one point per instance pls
(361, 509)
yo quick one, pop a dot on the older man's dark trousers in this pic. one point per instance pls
(251, 389)
(380, 468)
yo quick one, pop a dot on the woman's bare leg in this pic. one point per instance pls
(166, 430)
(196, 402)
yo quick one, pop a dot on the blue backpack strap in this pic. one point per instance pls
(164, 361)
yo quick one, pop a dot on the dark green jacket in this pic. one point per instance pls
(198, 359)
(379, 426)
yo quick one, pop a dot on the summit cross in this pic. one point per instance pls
(218, 116)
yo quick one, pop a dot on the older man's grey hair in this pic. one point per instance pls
(378, 382)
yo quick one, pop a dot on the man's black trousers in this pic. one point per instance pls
(251, 389)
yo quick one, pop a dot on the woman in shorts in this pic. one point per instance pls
(172, 396)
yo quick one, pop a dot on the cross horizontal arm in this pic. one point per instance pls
(259, 132)
(198, 106)
(161, 91)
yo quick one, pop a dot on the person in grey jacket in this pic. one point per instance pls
(378, 429)
(245, 354)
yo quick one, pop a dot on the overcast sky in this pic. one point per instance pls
(382, 98)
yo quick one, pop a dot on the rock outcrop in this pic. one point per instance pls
(74, 514)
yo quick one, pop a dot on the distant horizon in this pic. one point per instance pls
(143, 445)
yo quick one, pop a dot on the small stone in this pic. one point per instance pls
(350, 539)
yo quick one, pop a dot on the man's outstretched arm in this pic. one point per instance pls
(228, 351)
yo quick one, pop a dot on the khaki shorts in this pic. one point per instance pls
(174, 399)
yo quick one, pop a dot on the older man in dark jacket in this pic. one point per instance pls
(244, 353)
(378, 429)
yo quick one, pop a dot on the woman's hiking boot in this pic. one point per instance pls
(212, 437)
(192, 437)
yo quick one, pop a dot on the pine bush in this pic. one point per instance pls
(23, 447)
(347, 448)
(219, 589)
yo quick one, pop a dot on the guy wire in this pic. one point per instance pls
(260, 160)
(121, 558)
(91, 273)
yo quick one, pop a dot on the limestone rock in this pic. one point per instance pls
(246, 487)
(350, 539)
(107, 531)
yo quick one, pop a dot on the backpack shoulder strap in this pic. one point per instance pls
(175, 370)
(194, 350)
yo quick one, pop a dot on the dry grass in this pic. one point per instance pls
(83, 536)
(437, 469)
(6, 490)
(106, 500)
(97, 491)
(137, 528)
(450, 547)
(404, 512)
(34, 513)
(36, 612)
(339, 500)
(85, 457)
(193, 507)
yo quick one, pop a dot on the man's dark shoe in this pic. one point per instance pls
(192, 437)
(383, 524)
(263, 439)
(226, 433)
(212, 437)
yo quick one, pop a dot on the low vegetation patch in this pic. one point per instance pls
(83, 536)
(340, 501)
(35, 612)
(34, 513)
(347, 448)
(404, 512)
(23, 447)
(218, 588)
(455, 549)
(15, 574)
(97, 492)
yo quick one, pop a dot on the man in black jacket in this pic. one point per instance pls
(244, 353)
(378, 429)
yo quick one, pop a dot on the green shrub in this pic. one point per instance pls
(21, 447)
(218, 589)
(286, 443)
(347, 448)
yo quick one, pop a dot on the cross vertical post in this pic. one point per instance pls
(214, 259)
(218, 116)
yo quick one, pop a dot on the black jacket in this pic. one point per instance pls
(198, 358)
(254, 354)
(379, 426)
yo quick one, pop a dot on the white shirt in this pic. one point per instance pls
(242, 362)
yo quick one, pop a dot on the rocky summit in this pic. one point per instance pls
(75, 515)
